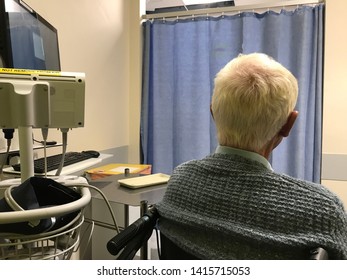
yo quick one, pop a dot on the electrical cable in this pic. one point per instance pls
(5, 156)
(45, 136)
(107, 204)
(64, 132)
(92, 226)
(48, 143)
(92, 223)
(8, 134)
(13, 203)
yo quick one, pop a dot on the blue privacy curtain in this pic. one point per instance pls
(181, 59)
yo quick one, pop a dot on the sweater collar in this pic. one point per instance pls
(246, 154)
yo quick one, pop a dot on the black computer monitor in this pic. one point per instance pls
(27, 41)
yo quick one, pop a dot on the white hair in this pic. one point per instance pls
(252, 99)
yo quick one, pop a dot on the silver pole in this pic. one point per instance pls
(234, 9)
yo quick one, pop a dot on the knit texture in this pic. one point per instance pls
(229, 207)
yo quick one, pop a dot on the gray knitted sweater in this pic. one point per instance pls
(230, 207)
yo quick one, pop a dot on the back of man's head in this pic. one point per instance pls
(253, 97)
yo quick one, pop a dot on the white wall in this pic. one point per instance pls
(334, 169)
(94, 38)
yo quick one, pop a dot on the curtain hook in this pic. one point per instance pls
(193, 17)
(177, 19)
(207, 17)
(164, 19)
(222, 14)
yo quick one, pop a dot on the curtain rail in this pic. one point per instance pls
(232, 9)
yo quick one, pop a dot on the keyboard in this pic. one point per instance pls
(53, 162)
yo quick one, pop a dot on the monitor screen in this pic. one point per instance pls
(27, 41)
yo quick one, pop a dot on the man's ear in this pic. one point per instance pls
(289, 124)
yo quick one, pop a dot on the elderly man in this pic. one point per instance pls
(232, 204)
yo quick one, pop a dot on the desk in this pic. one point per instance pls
(127, 197)
(73, 169)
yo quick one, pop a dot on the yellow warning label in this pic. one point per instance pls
(29, 72)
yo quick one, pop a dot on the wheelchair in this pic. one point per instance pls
(125, 244)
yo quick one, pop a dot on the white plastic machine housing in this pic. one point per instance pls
(42, 99)
(39, 99)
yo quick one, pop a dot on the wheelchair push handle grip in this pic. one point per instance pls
(118, 242)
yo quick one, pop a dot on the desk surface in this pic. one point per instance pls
(119, 194)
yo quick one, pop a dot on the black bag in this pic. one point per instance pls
(36, 193)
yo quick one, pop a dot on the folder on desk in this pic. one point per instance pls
(118, 168)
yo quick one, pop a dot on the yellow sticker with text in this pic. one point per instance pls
(29, 72)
